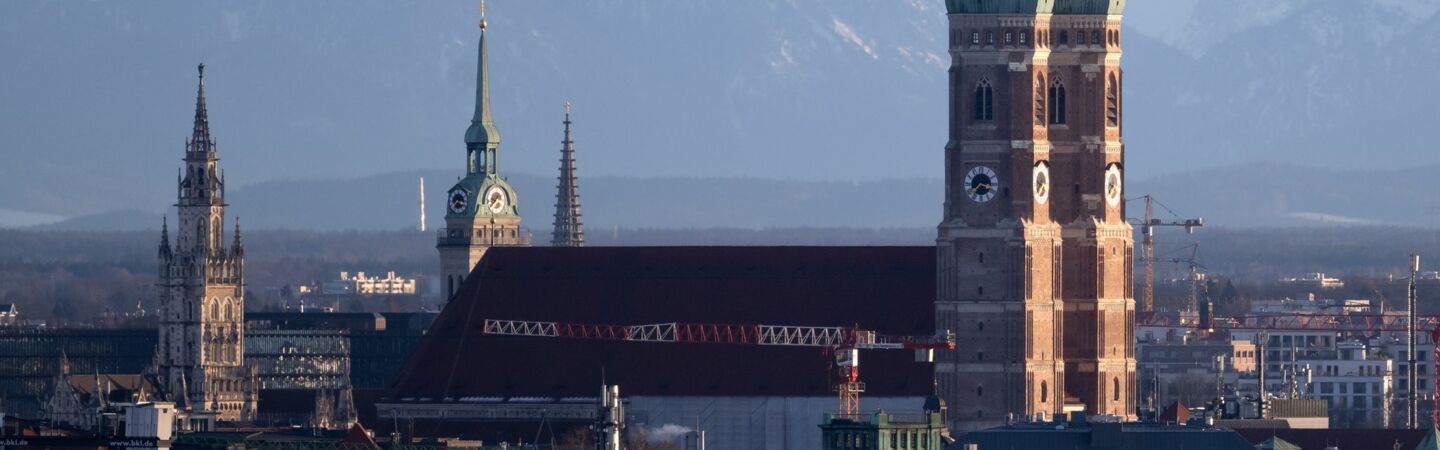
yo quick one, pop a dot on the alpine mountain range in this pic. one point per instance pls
(1293, 115)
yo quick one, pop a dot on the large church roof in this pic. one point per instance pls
(1064, 7)
(887, 289)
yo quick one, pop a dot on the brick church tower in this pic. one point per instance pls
(1034, 253)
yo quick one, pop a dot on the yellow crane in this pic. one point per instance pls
(1147, 228)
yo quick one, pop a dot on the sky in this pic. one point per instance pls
(341, 89)
(101, 97)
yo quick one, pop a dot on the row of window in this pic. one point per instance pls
(1051, 105)
(1349, 388)
(1376, 402)
(1044, 38)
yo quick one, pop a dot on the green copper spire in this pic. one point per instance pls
(482, 125)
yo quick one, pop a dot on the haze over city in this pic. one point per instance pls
(1040, 224)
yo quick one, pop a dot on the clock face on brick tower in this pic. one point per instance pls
(457, 201)
(980, 184)
(495, 200)
(1113, 187)
(1042, 183)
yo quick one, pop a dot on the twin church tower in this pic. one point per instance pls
(1034, 253)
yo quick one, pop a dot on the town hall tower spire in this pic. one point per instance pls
(202, 289)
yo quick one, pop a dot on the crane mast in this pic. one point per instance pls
(844, 342)
(1147, 229)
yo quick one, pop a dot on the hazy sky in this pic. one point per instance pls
(810, 89)
(337, 89)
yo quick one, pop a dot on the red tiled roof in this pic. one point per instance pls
(1175, 413)
(357, 436)
(887, 289)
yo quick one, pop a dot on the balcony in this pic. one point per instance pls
(489, 237)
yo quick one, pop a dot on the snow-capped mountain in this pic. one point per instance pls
(94, 114)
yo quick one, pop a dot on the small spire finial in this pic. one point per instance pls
(202, 70)
(567, 109)
(482, 15)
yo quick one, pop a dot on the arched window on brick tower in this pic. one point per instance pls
(984, 102)
(1115, 389)
(1040, 99)
(1057, 102)
(1044, 392)
(1112, 102)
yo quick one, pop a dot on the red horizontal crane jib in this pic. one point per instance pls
(716, 333)
(585, 331)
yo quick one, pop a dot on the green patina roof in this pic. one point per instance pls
(476, 185)
(1066, 7)
(1431, 441)
(482, 124)
(1275, 443)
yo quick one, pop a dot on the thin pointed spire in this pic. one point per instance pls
(201, 140)
(568, 231)
(237, 248)
(165, 237)
(482, 124)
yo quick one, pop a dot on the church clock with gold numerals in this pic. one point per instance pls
(1042, 183)
(981, 183)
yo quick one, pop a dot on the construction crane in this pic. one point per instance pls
(1147, 228)
(1192, 262)
(844, 342)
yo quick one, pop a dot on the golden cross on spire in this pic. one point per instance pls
(482, 14)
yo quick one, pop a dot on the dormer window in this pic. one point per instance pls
(1009, 38)
(1024, 38)
(974, 38)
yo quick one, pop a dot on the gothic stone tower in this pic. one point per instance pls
(481, 209)
(567, 232)
(1033, 252)
(202, 290)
